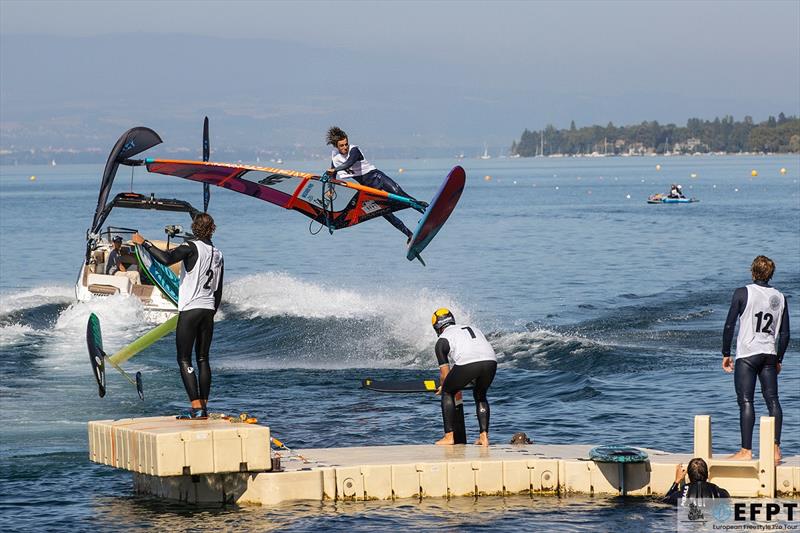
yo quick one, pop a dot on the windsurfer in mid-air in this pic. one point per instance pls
(199, 297)
(347, 161)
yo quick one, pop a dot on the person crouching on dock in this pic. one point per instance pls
(473, 359)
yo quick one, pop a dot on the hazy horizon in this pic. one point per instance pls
(405, 76)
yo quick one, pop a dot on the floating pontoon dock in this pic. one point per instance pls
(221, 461)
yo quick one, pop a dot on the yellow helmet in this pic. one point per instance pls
(441, 318)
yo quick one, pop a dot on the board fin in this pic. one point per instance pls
(98, 357)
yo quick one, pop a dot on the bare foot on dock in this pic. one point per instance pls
(742, 455)
(778, 454)
(447, 440)
(483, 440)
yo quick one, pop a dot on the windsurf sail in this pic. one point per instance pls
(333, 203)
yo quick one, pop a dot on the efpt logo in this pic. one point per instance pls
(706, 514)
(783, 511)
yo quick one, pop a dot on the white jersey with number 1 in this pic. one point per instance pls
(467, 345)
(760, 321)
(199, 284)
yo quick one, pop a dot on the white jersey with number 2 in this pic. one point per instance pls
(467, 345)
(199, 284)
(760, 321)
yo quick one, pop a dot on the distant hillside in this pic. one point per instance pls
(775, 135)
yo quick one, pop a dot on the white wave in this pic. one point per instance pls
(14, 334)
(516, 346)
(121, 320)
(279, 294)
(406, 315)
(26, 299)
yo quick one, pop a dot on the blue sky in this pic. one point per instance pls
(396, 73)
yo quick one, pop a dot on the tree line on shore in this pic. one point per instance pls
(721, 135)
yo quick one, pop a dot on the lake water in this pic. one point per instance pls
(606, 314)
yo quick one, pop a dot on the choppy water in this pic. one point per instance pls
(606, 314)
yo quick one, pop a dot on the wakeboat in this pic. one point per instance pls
(155, 289)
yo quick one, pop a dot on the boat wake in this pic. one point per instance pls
(274, 320)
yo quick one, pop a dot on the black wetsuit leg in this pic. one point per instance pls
(746, 370)
(385, 183)
(482, 373)
(482, 384)
(378, 180)
(195, 329)
(202, 347)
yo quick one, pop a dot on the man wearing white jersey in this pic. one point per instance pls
(347, 161)
(473, 360)
(763, 318)
(199, 296)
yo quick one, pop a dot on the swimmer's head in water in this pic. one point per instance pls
(520, 438)
(697, 470)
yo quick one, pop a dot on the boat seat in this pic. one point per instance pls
(103, 290)
(143, 292)
(121, 283)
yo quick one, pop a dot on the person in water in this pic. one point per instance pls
(199, 296)
(473, 359)
(347, 161)
(763, 317)
(698, 487)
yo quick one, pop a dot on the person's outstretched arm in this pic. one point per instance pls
(185, 252)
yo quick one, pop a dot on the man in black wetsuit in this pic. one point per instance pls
(199, 297)
(764, 319)
(473, 360)
(698, 486)
(348, 162)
